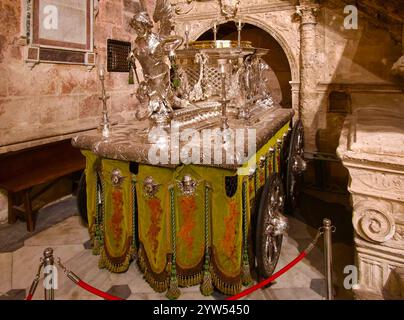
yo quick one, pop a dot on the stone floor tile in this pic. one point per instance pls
(293, 294)
(12, 236)
(147, 296)
(120, 291)
(14, 294)
(26, 262)
(6, 265)
(70, 231)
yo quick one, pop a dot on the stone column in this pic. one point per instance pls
(308, 71)
(295, 87)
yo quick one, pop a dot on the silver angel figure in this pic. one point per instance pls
(262, 93)
(256, 80)
(152, 50)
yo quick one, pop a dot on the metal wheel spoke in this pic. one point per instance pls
(270, 226)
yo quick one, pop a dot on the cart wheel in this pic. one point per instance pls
(295, 166)
(82, 198)
(271, 224)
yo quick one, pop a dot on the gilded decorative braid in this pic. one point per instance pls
(102, 216)
(246, 278)
(255, 181)
(134, 211)
(278, 158)
(92, 232)
(95, 230)
(98, 238)
(207, 285)
(173, 289)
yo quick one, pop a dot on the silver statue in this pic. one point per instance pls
(202, 89)
(256, 81)
(152, 50)
(261, 88)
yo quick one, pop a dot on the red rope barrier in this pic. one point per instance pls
(73, 277)
(97, 292)
(270, 279)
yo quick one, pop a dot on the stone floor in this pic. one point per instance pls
(69, 239)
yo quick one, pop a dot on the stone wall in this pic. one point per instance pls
(54, 101)
(358, 62)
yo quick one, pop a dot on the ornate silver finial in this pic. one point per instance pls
(105, 125)
(239, 26)
(215, 29)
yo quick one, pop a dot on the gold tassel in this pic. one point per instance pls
(173, 292)
(168, 266)
(140, 261)
(96, 247)
(246, 278)
(207, 284)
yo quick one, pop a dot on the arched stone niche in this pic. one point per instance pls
(277, 21)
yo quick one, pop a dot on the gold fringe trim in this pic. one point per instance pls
(207, 284)
(158, 286)
(246, 278)
(226, 288)
(188, 281)
(104, 262)
(207, 279)
(173, 291)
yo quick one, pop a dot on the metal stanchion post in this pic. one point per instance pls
(49, 261)
(328, 257)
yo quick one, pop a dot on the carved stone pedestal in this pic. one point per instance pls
(372, 149)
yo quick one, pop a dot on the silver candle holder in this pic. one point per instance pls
(105, 124)
(240, 27)
(215, 29)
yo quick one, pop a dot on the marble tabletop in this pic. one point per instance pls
(131, 141)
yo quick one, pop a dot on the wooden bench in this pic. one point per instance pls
(22, 170)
